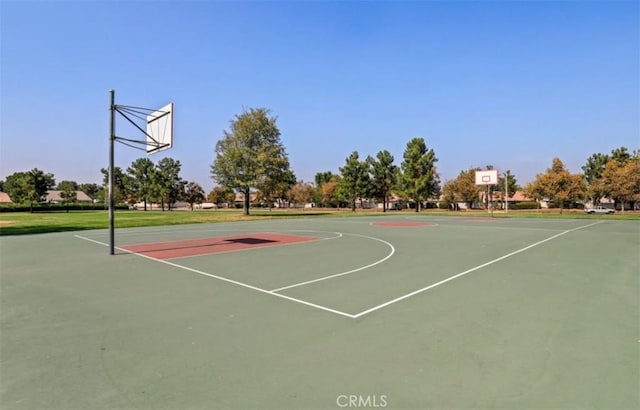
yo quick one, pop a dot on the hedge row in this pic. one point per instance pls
(55, 207)
(524, 205)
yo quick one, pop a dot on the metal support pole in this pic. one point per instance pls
(506, 193)
(112, 139)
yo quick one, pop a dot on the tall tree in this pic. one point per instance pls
(249, 153)
(168, 184)
(449, 194)
(322, 177)
(193, 194)
(121, 186)
(557, 184)
(593, 175)
(506, 187)
(301, 193)
(355, 179)
(275, 188)
(384, 175)
(141, 173)
(30, 186)
(420, 179)
(330, 194)
(17, 187)
(464, 188)
(594, 166)
(621, 181)
(621, 155)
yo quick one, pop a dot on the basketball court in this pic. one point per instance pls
(394, 311)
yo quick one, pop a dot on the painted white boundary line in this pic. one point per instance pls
(393, 250)
(408, 295)
(225, 279)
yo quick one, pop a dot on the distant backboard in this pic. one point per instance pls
(160, 129)
(488, 177)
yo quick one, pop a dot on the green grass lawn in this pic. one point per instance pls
(20, 223)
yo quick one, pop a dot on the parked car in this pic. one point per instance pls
(599, 210)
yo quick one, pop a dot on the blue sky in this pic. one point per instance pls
(512, 84)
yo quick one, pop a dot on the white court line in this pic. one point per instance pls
(408, 295)
(225, 279)
(393, 250)
(365, 312)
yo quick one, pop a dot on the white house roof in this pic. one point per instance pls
(54, 196)
(4, 198)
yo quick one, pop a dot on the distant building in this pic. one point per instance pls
(4, 198)
(54, 197)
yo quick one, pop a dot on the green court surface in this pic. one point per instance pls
(398, 312)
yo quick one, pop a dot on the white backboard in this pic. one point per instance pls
(488, 177)
(160, 129)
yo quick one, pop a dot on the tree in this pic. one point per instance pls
(621, 155)
(463, 188)
(593, 175)
(594, 166)
(91, 190)
(69, 185)
(322, 177)
(168, 185)
(597, 186)
(221, 195)
(557, 184)
(142, 176)
(301, 193)
(17, 187)
(250, 153)
(355, 179)
(384, 175)
(511, 186)
(449, 194)
(622, 180)
(330, 193)
(30, 186)
(193, 194)
(420, 179)
(120, 185)
(68, 192)
(276, 187)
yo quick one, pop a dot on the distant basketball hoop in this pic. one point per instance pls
(487, 178)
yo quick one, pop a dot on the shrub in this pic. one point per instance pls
(524, 205)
